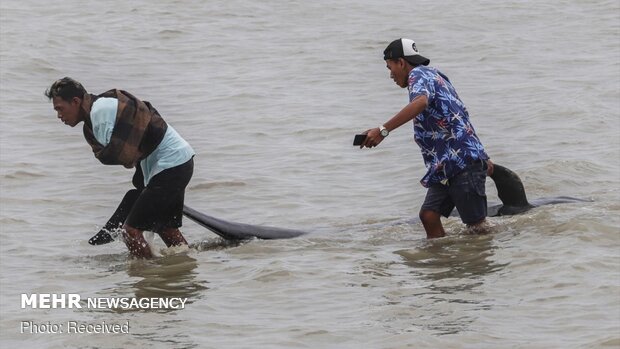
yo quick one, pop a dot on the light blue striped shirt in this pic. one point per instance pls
(172, 151)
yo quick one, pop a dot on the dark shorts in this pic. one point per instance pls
(160, 203)
(465, 191)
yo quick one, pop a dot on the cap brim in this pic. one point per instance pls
(417, 60)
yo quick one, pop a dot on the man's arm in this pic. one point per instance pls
(103, 118)
(406, 114)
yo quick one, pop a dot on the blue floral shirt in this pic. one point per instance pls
(446, 137)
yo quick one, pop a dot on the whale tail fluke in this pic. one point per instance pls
(117, 219)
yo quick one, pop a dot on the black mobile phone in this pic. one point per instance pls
(359, 139)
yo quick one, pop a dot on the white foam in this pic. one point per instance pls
(150, 240)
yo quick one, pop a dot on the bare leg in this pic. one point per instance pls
(432, 224)
(136, 244)
(172, 237)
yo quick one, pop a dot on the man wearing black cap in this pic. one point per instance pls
(455, 159)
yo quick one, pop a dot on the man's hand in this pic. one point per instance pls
(373, 138)
(406, 114)
(489, 168)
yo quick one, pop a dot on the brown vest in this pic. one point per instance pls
(138, 130)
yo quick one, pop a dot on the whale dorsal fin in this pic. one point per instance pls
(510, 190)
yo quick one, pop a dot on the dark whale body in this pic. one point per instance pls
(239, 231)
(225, 229)
(510, 190)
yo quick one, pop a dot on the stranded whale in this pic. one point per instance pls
(510, 190)
(225, 229)
(239, 231)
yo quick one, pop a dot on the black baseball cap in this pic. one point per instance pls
(405, 48)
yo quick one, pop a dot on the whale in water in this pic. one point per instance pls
(225, 229)
(510, 191)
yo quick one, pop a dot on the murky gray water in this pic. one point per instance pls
(270, 94)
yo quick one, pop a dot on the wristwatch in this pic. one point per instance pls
(384, 131)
